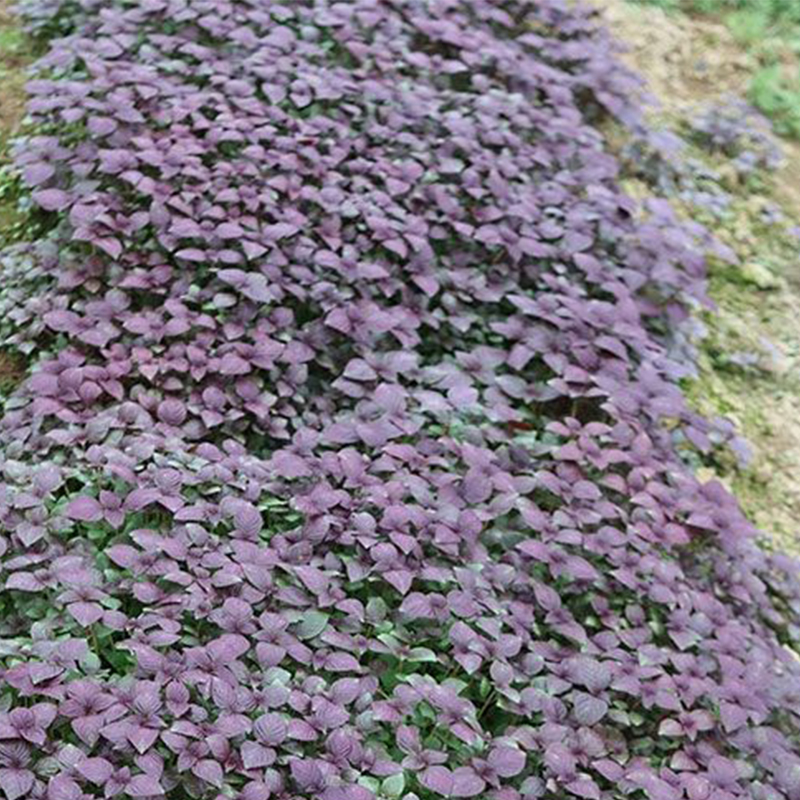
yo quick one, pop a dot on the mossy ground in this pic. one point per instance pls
(757, 317)
(749, 361)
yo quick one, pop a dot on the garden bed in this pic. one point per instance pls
(351, 458)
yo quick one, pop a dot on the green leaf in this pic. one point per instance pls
(423, 713)
(390, 641)
(9, 647)
(270, 501)
(91, 662)
(376, 609)
(422, 654)
(394, 785)
(120, 661)
(312, 624)
(275, 676)
(373, 784)
(457, 684)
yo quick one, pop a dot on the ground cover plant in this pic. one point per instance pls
(350, 460)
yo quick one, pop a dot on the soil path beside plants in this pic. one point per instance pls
(14, 59)
(689, 63)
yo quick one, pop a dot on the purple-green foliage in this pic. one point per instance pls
(351, 462)
(733, 127)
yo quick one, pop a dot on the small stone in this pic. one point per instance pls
(759, 275)
(773, 359)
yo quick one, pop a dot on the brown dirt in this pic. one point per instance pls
(12, 371)
(683, 60)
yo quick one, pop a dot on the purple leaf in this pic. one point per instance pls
(96, 770)
(271, 729)
(16, 782)
(584, 787)
(209, 771)
(51, 199)
(144, 786)
(588, 710)
(466, 783)
(507, 761)
(438, 780)
(84, 509)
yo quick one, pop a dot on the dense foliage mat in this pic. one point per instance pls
(350, 460)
